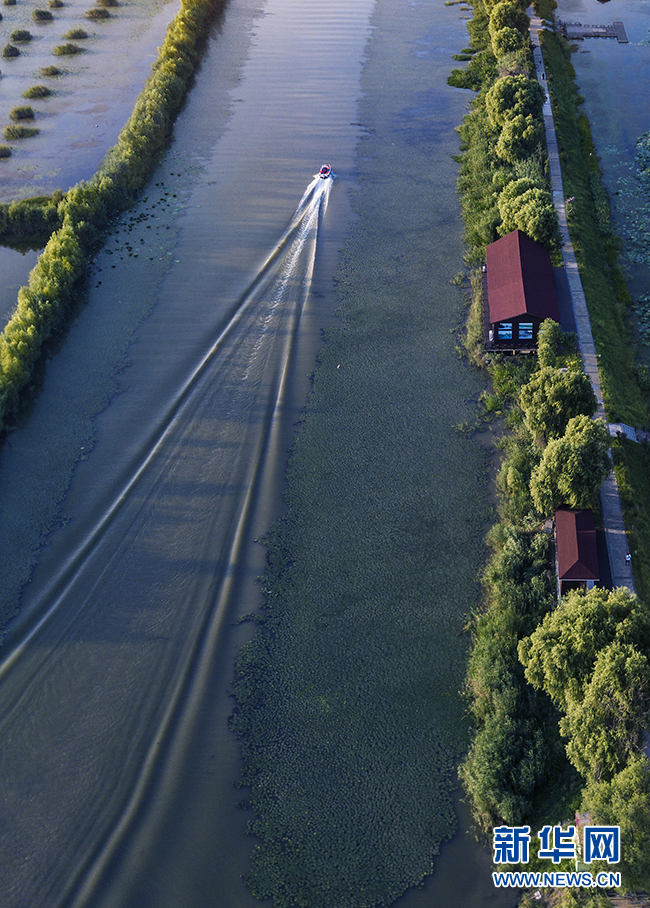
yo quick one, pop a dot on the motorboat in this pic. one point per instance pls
(325, 172)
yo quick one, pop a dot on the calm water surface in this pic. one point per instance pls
(615, 81)
(134, 489)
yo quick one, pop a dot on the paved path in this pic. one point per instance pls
(617, 545)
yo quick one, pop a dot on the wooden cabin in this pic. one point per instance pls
(518, 293)
(576, 554)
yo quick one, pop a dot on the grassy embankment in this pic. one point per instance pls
(82, 214)
(625, 383)
(515, 771)
(516, 748)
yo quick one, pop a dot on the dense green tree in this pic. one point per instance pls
(625, 802)
(513, 95)
(506, 14)
(606, 726)
(573, 467)
(560, 655)
(532, 212)
(508, 41)
(519, 137)
(552, 397)
(517, 726)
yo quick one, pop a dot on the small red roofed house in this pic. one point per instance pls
(575, 548)
(518, 292)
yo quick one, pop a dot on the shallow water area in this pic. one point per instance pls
(91, 98)
(15, 266)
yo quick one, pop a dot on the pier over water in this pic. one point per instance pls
(576, 31)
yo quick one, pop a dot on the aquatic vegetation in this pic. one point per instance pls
(19, 132)
(75, 34)
(67, 50)
(37, 91)
(21, 35)
(30, 220)
(347, 702)
(641, 309)
(10, 50)
(85, 210)
(22, 113)
(42, 15)
(98, 13)
(5, 151)
(50, 71)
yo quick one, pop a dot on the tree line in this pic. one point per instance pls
(557, 692)
(503, 180)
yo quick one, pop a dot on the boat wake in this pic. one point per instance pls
(107, 699)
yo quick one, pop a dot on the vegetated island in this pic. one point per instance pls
(73, 223)
(559, 692)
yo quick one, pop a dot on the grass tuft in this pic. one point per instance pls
(25, 112)
(42, 15)
(19, 132)
(37, 91)
(98, 13)
(67, 50)
(10, 50)
(5, 151)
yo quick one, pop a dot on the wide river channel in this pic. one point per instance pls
(152, 458)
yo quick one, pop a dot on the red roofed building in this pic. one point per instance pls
(575, 548)
(518, 292)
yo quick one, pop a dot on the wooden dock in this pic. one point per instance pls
(576, 31)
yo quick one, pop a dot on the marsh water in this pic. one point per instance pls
(152, 457)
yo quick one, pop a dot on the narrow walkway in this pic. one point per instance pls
(617, 545)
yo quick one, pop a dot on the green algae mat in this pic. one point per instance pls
(348, 697)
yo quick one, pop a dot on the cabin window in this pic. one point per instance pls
(504, 330)
(525, 331)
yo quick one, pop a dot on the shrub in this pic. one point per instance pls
(9, 2)
(55, 4)
(10, 50)
(37, 91)
(111, 3)
(98, 13)
(21, 34)
(50, 71)
(66, 50)
(76, 34)
(21, 113)
(42, 15)
(19, 132)
(5, 151)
